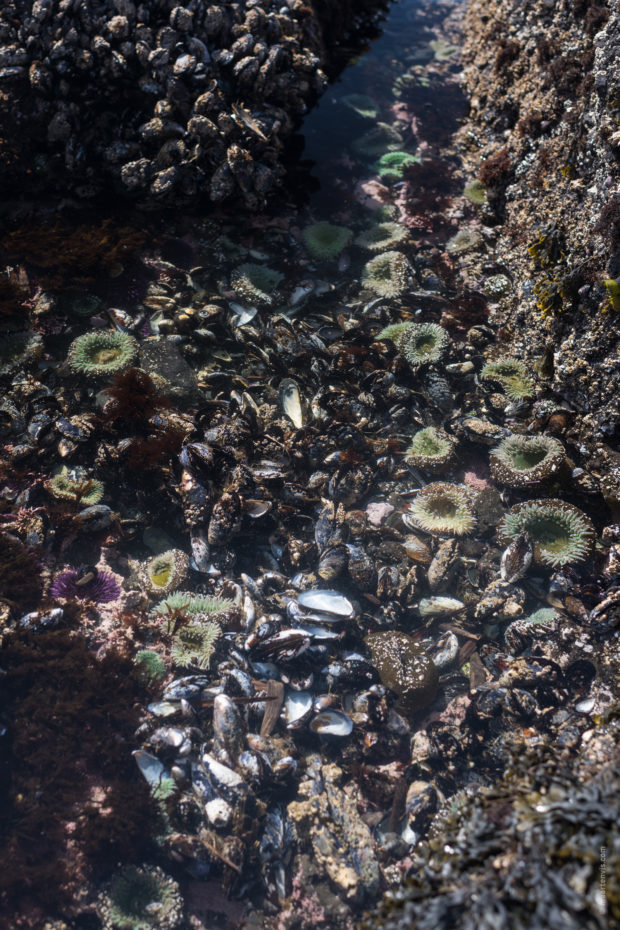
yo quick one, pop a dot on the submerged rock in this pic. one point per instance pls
(405, 668)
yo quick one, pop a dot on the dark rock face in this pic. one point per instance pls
(167, 101)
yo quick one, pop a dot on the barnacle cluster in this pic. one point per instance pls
(256, 284)
(166, 572)
(75, 485)
(522, 461)
(140, 898)
(512, 375)
(387, 274)
(326, 241)
(431, 449)
(382, 236)
(423, 343)
(102, 352)
(443, 509)
(560, 533)
(17, 349)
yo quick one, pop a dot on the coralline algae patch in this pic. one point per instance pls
(346, 538)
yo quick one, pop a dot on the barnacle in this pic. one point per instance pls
(194, 643)
(102, 352)
(431, 449)
(362, 104)
(522, 461)
(387, 274)
(391, 165)
(17, 349)
(423, 343)
(149, 666)
(75, 485)
(378, 140)
(512, 375)
(382, 236)
(475, 192)
(140, 898)
(256, 283)
(164, 573)
(560, 533)
(325, 241)
(189, 604)
(444, 509)
(463, 241)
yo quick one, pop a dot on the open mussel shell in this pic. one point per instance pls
(290, 399)
(322, 602)
(297, 708)
(439, 606)
(332, 723)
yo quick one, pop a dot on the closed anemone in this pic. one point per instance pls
(512, 375)
(522, 461)
(164, 573)
(561, 534)
(256, 284)
(102, 352)
(387, 274)
(442, 508)
(381, 236)
(432, 450)
(390, 166)
(463, 241)
(325, 241)
(423, 343)
(75, 485)
(140, 898)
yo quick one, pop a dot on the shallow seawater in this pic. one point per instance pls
(206, 406)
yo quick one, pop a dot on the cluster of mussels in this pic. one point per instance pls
(335, 523)
(170, 100)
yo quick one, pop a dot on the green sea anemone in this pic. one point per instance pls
(189, 604)
(164, 573)
(325, 241)
(17, 349)
(149, 666)
(387, 274)
(560, 533)
(463, 241)
(378, 140)
(476, 192)
(512, 375)
(82, 303)
(523, 461)
(102, 352)
(423, 343)
(363, 105)
(382, 236)
(432, 450)
(140, 898)
(443, 509)
(194, 644)
(75, 485)
(256, 284)
(394, 331)
(390, 166)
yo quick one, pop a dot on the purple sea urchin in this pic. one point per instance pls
(101, 588)
(560, 533)
(523, 461)
(423, 343)
(325, 241)
(388, 274)
(443, 509)
(431, 449)
(101, 353)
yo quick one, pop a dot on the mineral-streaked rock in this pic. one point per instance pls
(405, 668)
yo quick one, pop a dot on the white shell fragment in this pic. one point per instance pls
(291, 402)
(163, 709)
(439, 606)
(219, 812)
(322, 601)
(332, 723)
(152, 769)
(297, 706)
